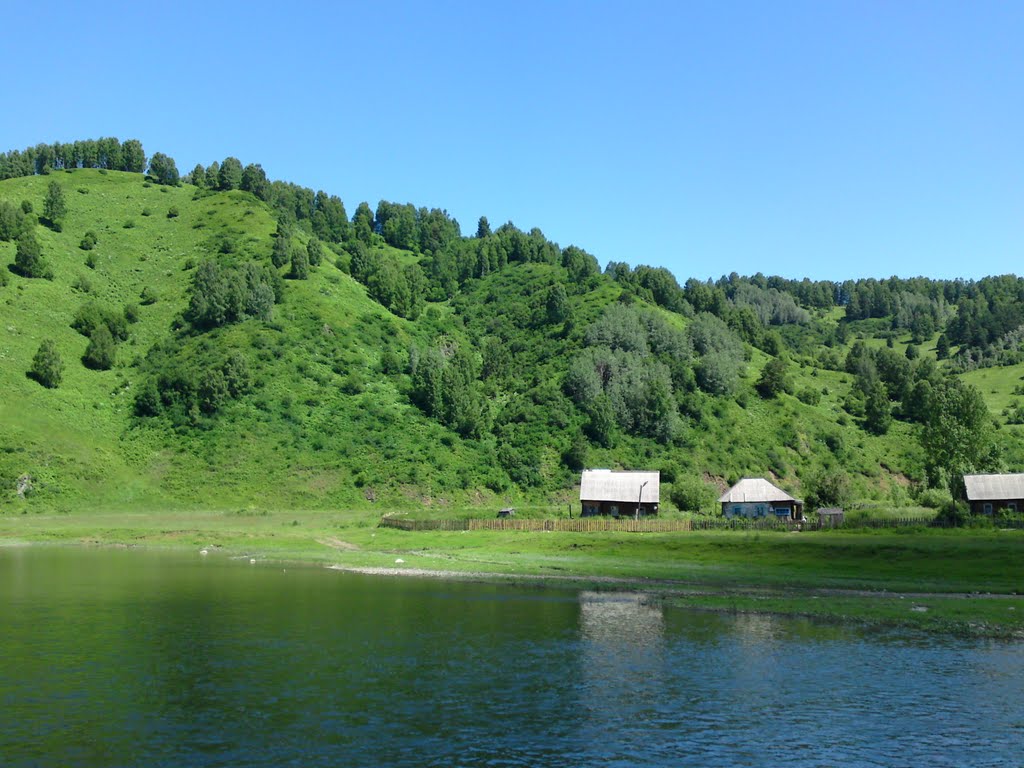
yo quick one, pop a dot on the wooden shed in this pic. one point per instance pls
(830, 517)
(754, 497)
(988, 493)
(607, 492)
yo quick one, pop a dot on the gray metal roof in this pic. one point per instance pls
(606, 485)
(994, 487)
(754, 489)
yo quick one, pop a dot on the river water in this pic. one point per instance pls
(126, 658)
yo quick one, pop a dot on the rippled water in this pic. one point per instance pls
(126, 658)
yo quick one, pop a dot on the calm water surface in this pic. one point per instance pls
(120, 658)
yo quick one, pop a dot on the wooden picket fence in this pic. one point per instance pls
(649, 525)
(586, 525)
(892, 522)
(917, 522)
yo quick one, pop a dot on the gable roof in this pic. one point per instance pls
(754, 489)
(994, 487)
(606, 485)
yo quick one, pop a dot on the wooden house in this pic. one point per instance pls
(604, 492)
(989, 493)
(755, 497)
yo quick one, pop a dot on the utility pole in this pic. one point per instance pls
(639, 499)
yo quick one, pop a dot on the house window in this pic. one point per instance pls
(1011, 506)
(737, 511)
(987, 508)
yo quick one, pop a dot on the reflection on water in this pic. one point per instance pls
(620, 656)
(123, 658)
(620, 621)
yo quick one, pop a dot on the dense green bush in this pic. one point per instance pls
(13, 221)
(933, 498)
(28, 258)
(809, 396)
(773, 380)
(90, 317)
(190, 386)
(224, 294)
(47, 366)
(952, 514)
(101, 350)
(690, 494)
(828, 488)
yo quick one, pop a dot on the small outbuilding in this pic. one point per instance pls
(988, 493)
(607, 492)
(754, 497)
(830, 517)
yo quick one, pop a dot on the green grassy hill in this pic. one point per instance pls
(332, 416)
(320, 428)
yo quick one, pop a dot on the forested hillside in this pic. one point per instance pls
(218, 339)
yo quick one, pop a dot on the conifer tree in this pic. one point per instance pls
(55, 207)
(314, 252)
(281, 253)
(230, 174)
(300, 264)
(877, 410)
(213, 175)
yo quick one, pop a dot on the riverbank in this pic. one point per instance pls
(959, 581)
(971, 614)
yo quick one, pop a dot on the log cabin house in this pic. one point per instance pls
(989, 493)
(607, 492)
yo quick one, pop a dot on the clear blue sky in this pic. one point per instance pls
(821, 139)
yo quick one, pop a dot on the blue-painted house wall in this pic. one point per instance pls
(754, 509)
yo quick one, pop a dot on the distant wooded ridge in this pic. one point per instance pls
(981, 318)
